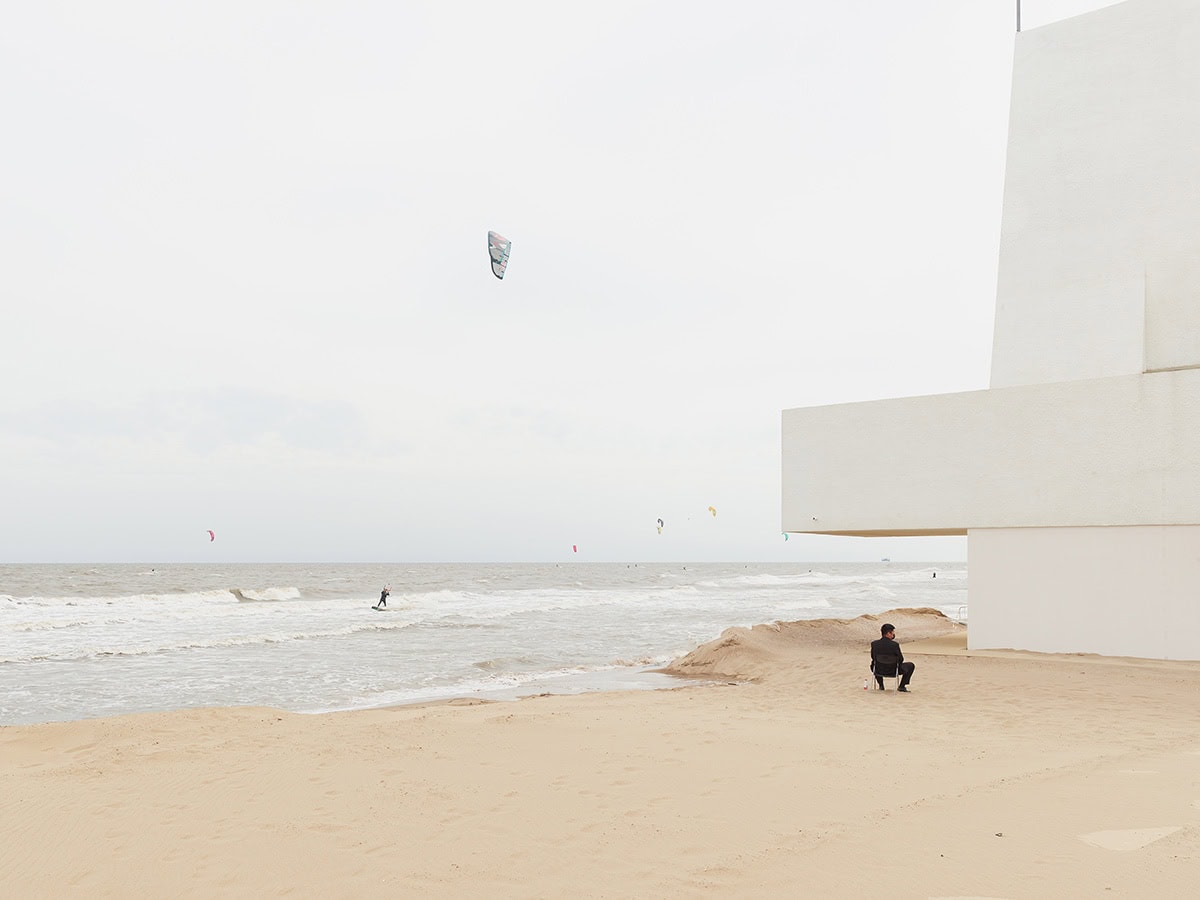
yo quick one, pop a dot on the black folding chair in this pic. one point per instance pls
(886, 665)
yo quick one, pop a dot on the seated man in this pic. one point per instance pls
(887, 659)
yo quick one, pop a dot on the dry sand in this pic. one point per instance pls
(1002, 774)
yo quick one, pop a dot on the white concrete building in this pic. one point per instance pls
(1076, 476)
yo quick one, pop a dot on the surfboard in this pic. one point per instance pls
(382, 608)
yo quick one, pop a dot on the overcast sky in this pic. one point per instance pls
(245, 278)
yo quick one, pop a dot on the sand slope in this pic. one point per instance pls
(1001, 775)
(780, 650)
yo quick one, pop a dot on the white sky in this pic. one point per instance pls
(245, 280)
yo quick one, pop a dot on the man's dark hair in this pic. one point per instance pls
(884, 629)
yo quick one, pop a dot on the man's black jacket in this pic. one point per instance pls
(887, 648)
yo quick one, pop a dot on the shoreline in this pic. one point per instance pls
(1000, 775)
(635, 679)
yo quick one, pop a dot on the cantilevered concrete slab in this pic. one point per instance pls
(1111, 451)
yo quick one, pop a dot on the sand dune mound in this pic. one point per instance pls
(760, 652)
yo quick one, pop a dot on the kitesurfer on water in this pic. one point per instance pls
(383, 596)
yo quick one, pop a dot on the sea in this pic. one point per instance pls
(82, 641)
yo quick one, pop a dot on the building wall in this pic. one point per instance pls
(1101, 197)
(1113, 591)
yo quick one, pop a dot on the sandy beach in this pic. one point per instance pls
(1002, 774)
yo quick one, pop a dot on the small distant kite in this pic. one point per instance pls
(785, 535)
(713, 510)
(212, 536)
(498, 247)
(660, 526)
(574, 549)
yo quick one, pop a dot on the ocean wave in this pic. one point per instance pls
(452, 623)
(58, 624)
(876, 591)
(767, 580)
(501, 663)
(639, 663)
(801, 603)
(265, 596)
(185, 644)
(215, 595)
